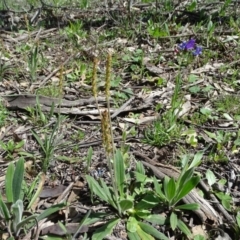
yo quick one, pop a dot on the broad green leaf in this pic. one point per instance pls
(226, 204)
(184, 177)
(119, 172)
(109, 195)
(183, 227)
(143, 235)
(105, 230)
(140, 168)
(126, 205)
(142, 178)
(188, 187)
(210, 177)
(96, 188)
(133, 236)
(152, 231)
(4, 212)
(199, 237)
(196, 160)
(173, 221)
(165, 187)
(171, 189)
(156, 219)
(142, 213)
(51, 210)
(17, 179)
(9, 182)
(189, 206)
(132, 224)
(158, 188)
(148, 201)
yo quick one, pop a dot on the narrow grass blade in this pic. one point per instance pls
(50, 211)
(4, 212)
(105, 230)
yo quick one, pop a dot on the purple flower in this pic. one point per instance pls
(190, 44)
(197, 51)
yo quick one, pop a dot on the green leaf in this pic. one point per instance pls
(105, 230)
(148, 201)
(144, 235)
(119, 172)
(39, 189)
(109, 195)
(197, 159)
(126, 204)
(238, 219)
(165, 187)
(9, 182)
(17, 179)
(156, 219)
(185, 189)
(51, 210)
(171, 189)
(133, 236)
(96, 188)
(4, 212)
(173, 221)
(132, 224)
(210, 177)
(158, 188)
(152, 231)
(140, 168)
(189, 206)
(142, 178)
(199, 237)
(183, 227)
(226, 204)
(83, 221)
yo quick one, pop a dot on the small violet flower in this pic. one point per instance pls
(197, 51)
(190, 45)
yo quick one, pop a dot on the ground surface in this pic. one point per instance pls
(52, 57)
